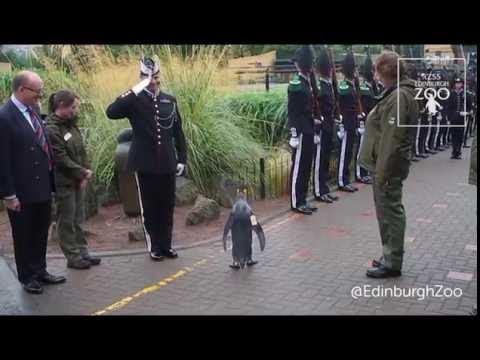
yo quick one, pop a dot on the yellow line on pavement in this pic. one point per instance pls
(149, 289)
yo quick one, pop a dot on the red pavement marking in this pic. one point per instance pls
(302, 254)
(368, 213)
(338, 232)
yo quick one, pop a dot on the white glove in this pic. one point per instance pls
(361, 116)
(180, 169)
(316, 139)
(137, 89)
(339, 121)
(294, 142)
(341, 132)
(317, 121)
(463, 113)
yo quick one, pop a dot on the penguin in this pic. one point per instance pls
(241, 222)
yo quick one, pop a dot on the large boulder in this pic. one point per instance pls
(137, 234)
(186, 192)
(204, 210)
(226, 192)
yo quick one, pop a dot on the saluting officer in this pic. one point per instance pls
(157, 133)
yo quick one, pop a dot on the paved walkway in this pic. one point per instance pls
(309, 267)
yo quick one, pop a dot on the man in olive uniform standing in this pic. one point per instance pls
(350, 114)
(301, 108)
(323, 149)
(385, 153)
(157, 133)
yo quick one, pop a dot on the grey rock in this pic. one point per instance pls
(204, 210)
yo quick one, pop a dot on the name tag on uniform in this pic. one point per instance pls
(253, 220)
(67, 136)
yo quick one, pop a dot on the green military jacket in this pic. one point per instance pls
(386, 146)
(69, 151)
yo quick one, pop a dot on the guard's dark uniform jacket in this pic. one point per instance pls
(326, 98)
(367, 96)
(348, 104)
(300, 106)
(456, 104)
(157, 131)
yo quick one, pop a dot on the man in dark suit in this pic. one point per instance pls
(158, 153)
(26, 180)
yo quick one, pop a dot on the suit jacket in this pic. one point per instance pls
(158, 142)
(24, 168)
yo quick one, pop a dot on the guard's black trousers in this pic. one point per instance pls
(422, 138)
(321, 163)
(416, 147)
(468, 129)
(301, 171)
(360, 172)
(157, 202)
(30, 235)
(345, 157)
(457, 139)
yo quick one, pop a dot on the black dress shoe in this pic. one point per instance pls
(50, 279)
(431, 152)
(33, 287)
(367, 180)
(382, 272)
(303, 210)
(346, 189)
(466, 146)
(78, 264)
(235, 266)
(251, 262)
(415, 159)
(171, 254)
(324, 198)
(93, 260)
(157, 256)
(423, 156)
(311, 207)
(352, 187)
(333, 196)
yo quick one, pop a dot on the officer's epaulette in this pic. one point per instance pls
(344, 88)
(295, 84)
(126, 93)
(364, 88)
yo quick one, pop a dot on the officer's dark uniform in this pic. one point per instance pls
(300, 118)
(157, 133)
(456, 104)
(349, 109)
(469, 127)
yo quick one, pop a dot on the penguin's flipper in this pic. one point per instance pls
(226, 230)
(260, 234)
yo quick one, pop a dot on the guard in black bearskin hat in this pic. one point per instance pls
(348, 100)
(323, 148)
(301, 110)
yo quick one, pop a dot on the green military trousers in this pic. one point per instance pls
(391, 221)
(70, 219)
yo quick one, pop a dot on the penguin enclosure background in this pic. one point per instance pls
(232, 99)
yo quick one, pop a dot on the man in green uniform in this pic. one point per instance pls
(72, 174)
(385, 153)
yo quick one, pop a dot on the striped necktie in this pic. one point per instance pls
(40, 135)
